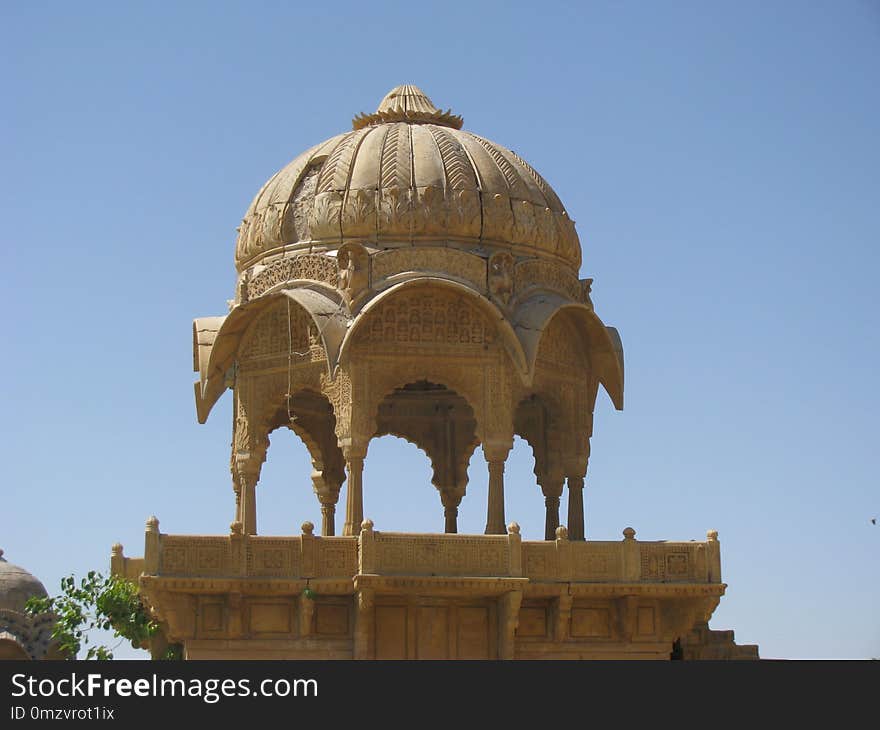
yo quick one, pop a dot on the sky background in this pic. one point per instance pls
(720, 158)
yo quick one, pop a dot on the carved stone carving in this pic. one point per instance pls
(359, 214)
(427, 318)
(353, 262)
(540, 274)
(501, 277)
(283, 329)
(314, 267)
(442, 261)
(408, 199)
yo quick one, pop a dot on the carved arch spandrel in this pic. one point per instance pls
(329, 320)
(397, 317)
(438, 421)
(541, 421)
(602, 345)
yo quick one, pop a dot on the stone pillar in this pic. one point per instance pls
(551, 518)
(451, 498)
(328, 518)
(575, 508)
(328, 497)
(247, 472)
(552, 489)
(249, 505)
(496, 456)
(354, 502)
(508, 619)
(363, 625)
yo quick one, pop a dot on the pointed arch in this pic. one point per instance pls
(533, 317)
(502, 327)
(216, 340)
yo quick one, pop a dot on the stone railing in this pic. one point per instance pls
(396, 553)
(239, 555)
(626, 561)
(390, 553)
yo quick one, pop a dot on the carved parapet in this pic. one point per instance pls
(626, 561)
(388, 553)
(252, 556)
(680, 562)
(128, 568)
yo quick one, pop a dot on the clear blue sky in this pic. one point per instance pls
(721, 160)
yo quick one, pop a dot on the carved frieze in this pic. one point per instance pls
(314, 267)
(667, 562)
(446, 555)
(543, 274)
(430, 260)
(426, 318)
(276, 557)
(184, 555)
(359, 217)
(283, 329)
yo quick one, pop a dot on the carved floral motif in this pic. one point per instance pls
(539, 273)
(314, 267)
(442, 260)
(426, 318)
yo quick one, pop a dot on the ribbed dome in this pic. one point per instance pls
(16, 586)
(407, 174)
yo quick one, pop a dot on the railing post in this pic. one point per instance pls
(117, 561)
(714, 556)
(238, 548)
(563, 553)
(632, 563)
(367, 548)
(308, 549)
(152, 546)
(514, 547)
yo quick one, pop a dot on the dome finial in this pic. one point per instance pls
(407, 98)
(407, 103)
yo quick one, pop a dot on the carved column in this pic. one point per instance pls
(552, 489)
(496, 455)
(451, 498)
(249, 444)
(575, 508)
(328, 518)
(328, 497)
(354, 502)
(247, 469)
(577, 453)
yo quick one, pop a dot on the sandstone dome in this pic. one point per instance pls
(405, 175)
(16, 586)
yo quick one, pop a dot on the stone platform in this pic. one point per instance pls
(384, 595)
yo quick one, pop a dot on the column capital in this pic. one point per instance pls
(497, 449)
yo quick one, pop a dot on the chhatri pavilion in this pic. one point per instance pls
(408, 277)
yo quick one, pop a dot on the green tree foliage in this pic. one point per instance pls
(96, 602)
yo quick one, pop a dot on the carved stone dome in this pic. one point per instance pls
(407, 174)
(16, 586)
